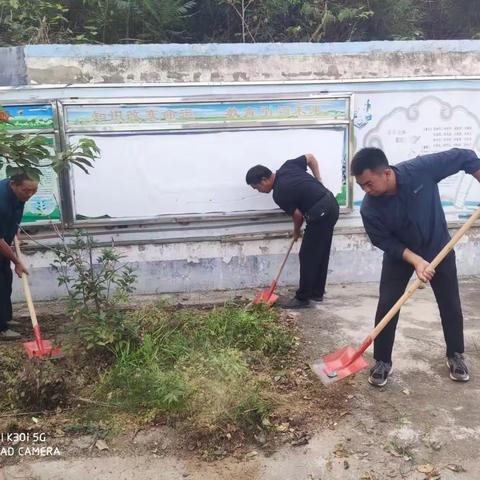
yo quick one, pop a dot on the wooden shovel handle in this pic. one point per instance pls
(284, 262)
(26, 287)
(433, 264)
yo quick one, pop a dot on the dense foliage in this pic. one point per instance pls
(203, 21)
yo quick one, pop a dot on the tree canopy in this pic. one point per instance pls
(205, 21)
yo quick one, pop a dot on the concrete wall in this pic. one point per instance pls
(100, 64)
(13, 70)
(198, 257)
(238, 264)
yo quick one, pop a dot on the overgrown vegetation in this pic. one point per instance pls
(211, 367)
(216, 374)
(200, 364)
(159, 21)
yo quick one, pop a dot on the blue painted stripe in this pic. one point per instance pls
(229, 49)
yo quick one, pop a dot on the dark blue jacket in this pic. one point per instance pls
(11, 212)
(414, 218)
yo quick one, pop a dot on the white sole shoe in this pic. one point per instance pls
(464, 379)
(371, 382)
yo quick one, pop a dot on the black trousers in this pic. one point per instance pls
(5, 293)
(394, 280)
(315, 249)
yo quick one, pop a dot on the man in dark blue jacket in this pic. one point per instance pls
(403, 216)
(14, 192)
(303, 196)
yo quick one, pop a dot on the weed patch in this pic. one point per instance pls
(198, 364)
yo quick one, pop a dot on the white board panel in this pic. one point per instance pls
(410, 123)
(195, 173)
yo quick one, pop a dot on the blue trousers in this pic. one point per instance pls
(6, 278)
(394, 280)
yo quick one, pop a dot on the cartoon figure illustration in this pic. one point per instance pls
(363, 115)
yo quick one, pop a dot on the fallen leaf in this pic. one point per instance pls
(301, 441)
(282, 427)
(455, 468)
(368, 476)
(434, 445)
(340, 450)
(101, 444)
(427, 468)
(251, 454)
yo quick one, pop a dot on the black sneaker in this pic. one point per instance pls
(294, 303)
(458, 369)
(9, 335)
(379, 373)
(317, 298)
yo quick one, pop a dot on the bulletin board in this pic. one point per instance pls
(160, 159)
(409, 123)
(31, 119)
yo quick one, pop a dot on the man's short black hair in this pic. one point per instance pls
(20, 178)
(369, 158)
(256, 174)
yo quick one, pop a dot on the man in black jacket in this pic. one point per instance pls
(403, 216)
(14, 192)
(303, 196)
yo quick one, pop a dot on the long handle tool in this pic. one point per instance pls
(38, 348)
(347, 361)
(267, 295)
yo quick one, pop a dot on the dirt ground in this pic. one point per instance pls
(420, 426)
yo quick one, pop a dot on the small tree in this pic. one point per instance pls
(97, 285)
(28, 154)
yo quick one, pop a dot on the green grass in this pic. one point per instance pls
(204, 370)
(196, 364)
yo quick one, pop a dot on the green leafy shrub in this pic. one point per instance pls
(97, 288)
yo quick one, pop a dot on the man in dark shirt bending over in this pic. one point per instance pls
(303, 197)
(403, 216)
(14, 192)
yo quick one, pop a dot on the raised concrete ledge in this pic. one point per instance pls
(256, 49)
(239, 63)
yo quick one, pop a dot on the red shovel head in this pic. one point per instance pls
(41, 350)
(265, 296)
(338, 365)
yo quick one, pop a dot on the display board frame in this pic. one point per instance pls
(50, 130)
(109, 108)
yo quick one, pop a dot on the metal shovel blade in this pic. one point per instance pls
(338, 365)
(42, 350)
(266, 297)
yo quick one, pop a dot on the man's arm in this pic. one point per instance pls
(384, 240)
(381, 236)
(313, 165)
(7, 251)
(297, 223)
(424, 273)
(443, 164)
